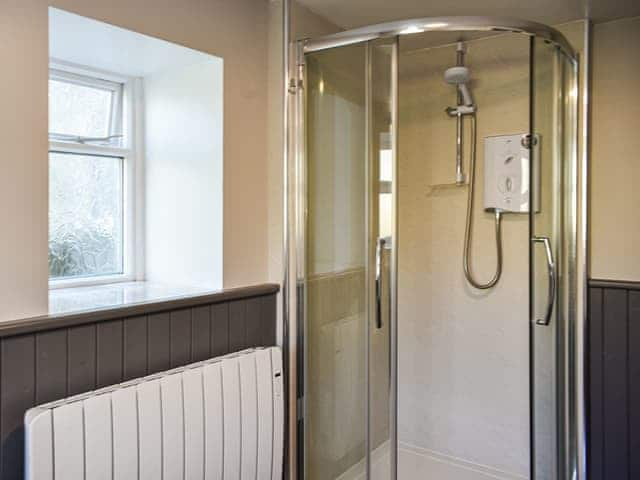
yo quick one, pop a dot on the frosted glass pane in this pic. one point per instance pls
(78, 109)
(85, 215)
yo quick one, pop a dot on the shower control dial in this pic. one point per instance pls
(505, 185)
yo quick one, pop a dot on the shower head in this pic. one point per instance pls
(460, 76)
(457, 75)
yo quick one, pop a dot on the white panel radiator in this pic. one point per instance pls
(221, 419)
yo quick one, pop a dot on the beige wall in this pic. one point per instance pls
(235, 31)
(275, 141)
(615, 151)
(23, 175)
(307, 24)
(459, 346)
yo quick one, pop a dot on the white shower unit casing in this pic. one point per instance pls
(506, 174)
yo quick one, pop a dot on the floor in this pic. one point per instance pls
(415, 463)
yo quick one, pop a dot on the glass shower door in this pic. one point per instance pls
(335, 393)
(552, 255)
(348, 241)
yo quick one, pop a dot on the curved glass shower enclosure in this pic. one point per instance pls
(412, 140)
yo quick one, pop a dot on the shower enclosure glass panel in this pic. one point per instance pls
(335, 317)
(485, 377)
(553, 254)
(349, 235)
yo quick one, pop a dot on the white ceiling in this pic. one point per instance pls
(83, 41)
(355, 13)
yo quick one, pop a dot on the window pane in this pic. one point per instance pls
(85, 215)
(78, 109)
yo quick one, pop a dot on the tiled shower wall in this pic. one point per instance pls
(462, 354)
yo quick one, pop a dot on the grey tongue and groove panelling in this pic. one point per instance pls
(48, 359)
(614, 380)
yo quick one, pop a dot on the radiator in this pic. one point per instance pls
(218, 419)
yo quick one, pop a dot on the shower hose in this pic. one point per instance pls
(469, 223)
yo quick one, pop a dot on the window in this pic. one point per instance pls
(89, 169)
(84, 109)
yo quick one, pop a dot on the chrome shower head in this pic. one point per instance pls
(456, 75)
(459, 76)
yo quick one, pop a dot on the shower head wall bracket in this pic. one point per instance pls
(460, 110)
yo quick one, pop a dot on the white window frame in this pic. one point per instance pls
(128, 111)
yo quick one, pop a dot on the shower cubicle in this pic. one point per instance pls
(434, 253)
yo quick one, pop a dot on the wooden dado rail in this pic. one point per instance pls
(49, 358)
(614, 380)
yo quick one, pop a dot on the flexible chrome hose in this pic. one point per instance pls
(468, 227)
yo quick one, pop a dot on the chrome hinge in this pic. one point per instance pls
(294, 86)
(300, 59)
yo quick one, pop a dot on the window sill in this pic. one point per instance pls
(64, 301)
(102, 280)
(92, 305)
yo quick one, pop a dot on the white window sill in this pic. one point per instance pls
(115, 295)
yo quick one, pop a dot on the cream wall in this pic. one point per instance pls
(275, 141)
(615, 151)
(235, 31)
(458, 347)
(23, 175)
(307, 24)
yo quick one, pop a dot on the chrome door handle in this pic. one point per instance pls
(381, 243)
(379, 246)
(551, 266)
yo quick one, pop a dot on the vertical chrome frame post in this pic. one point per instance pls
(369, 239)
(300, 218)
(563, 241)
(568, 240)
(298, 313)
(581, 331)
(289, 438)
(393, 318)
(574, 322)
